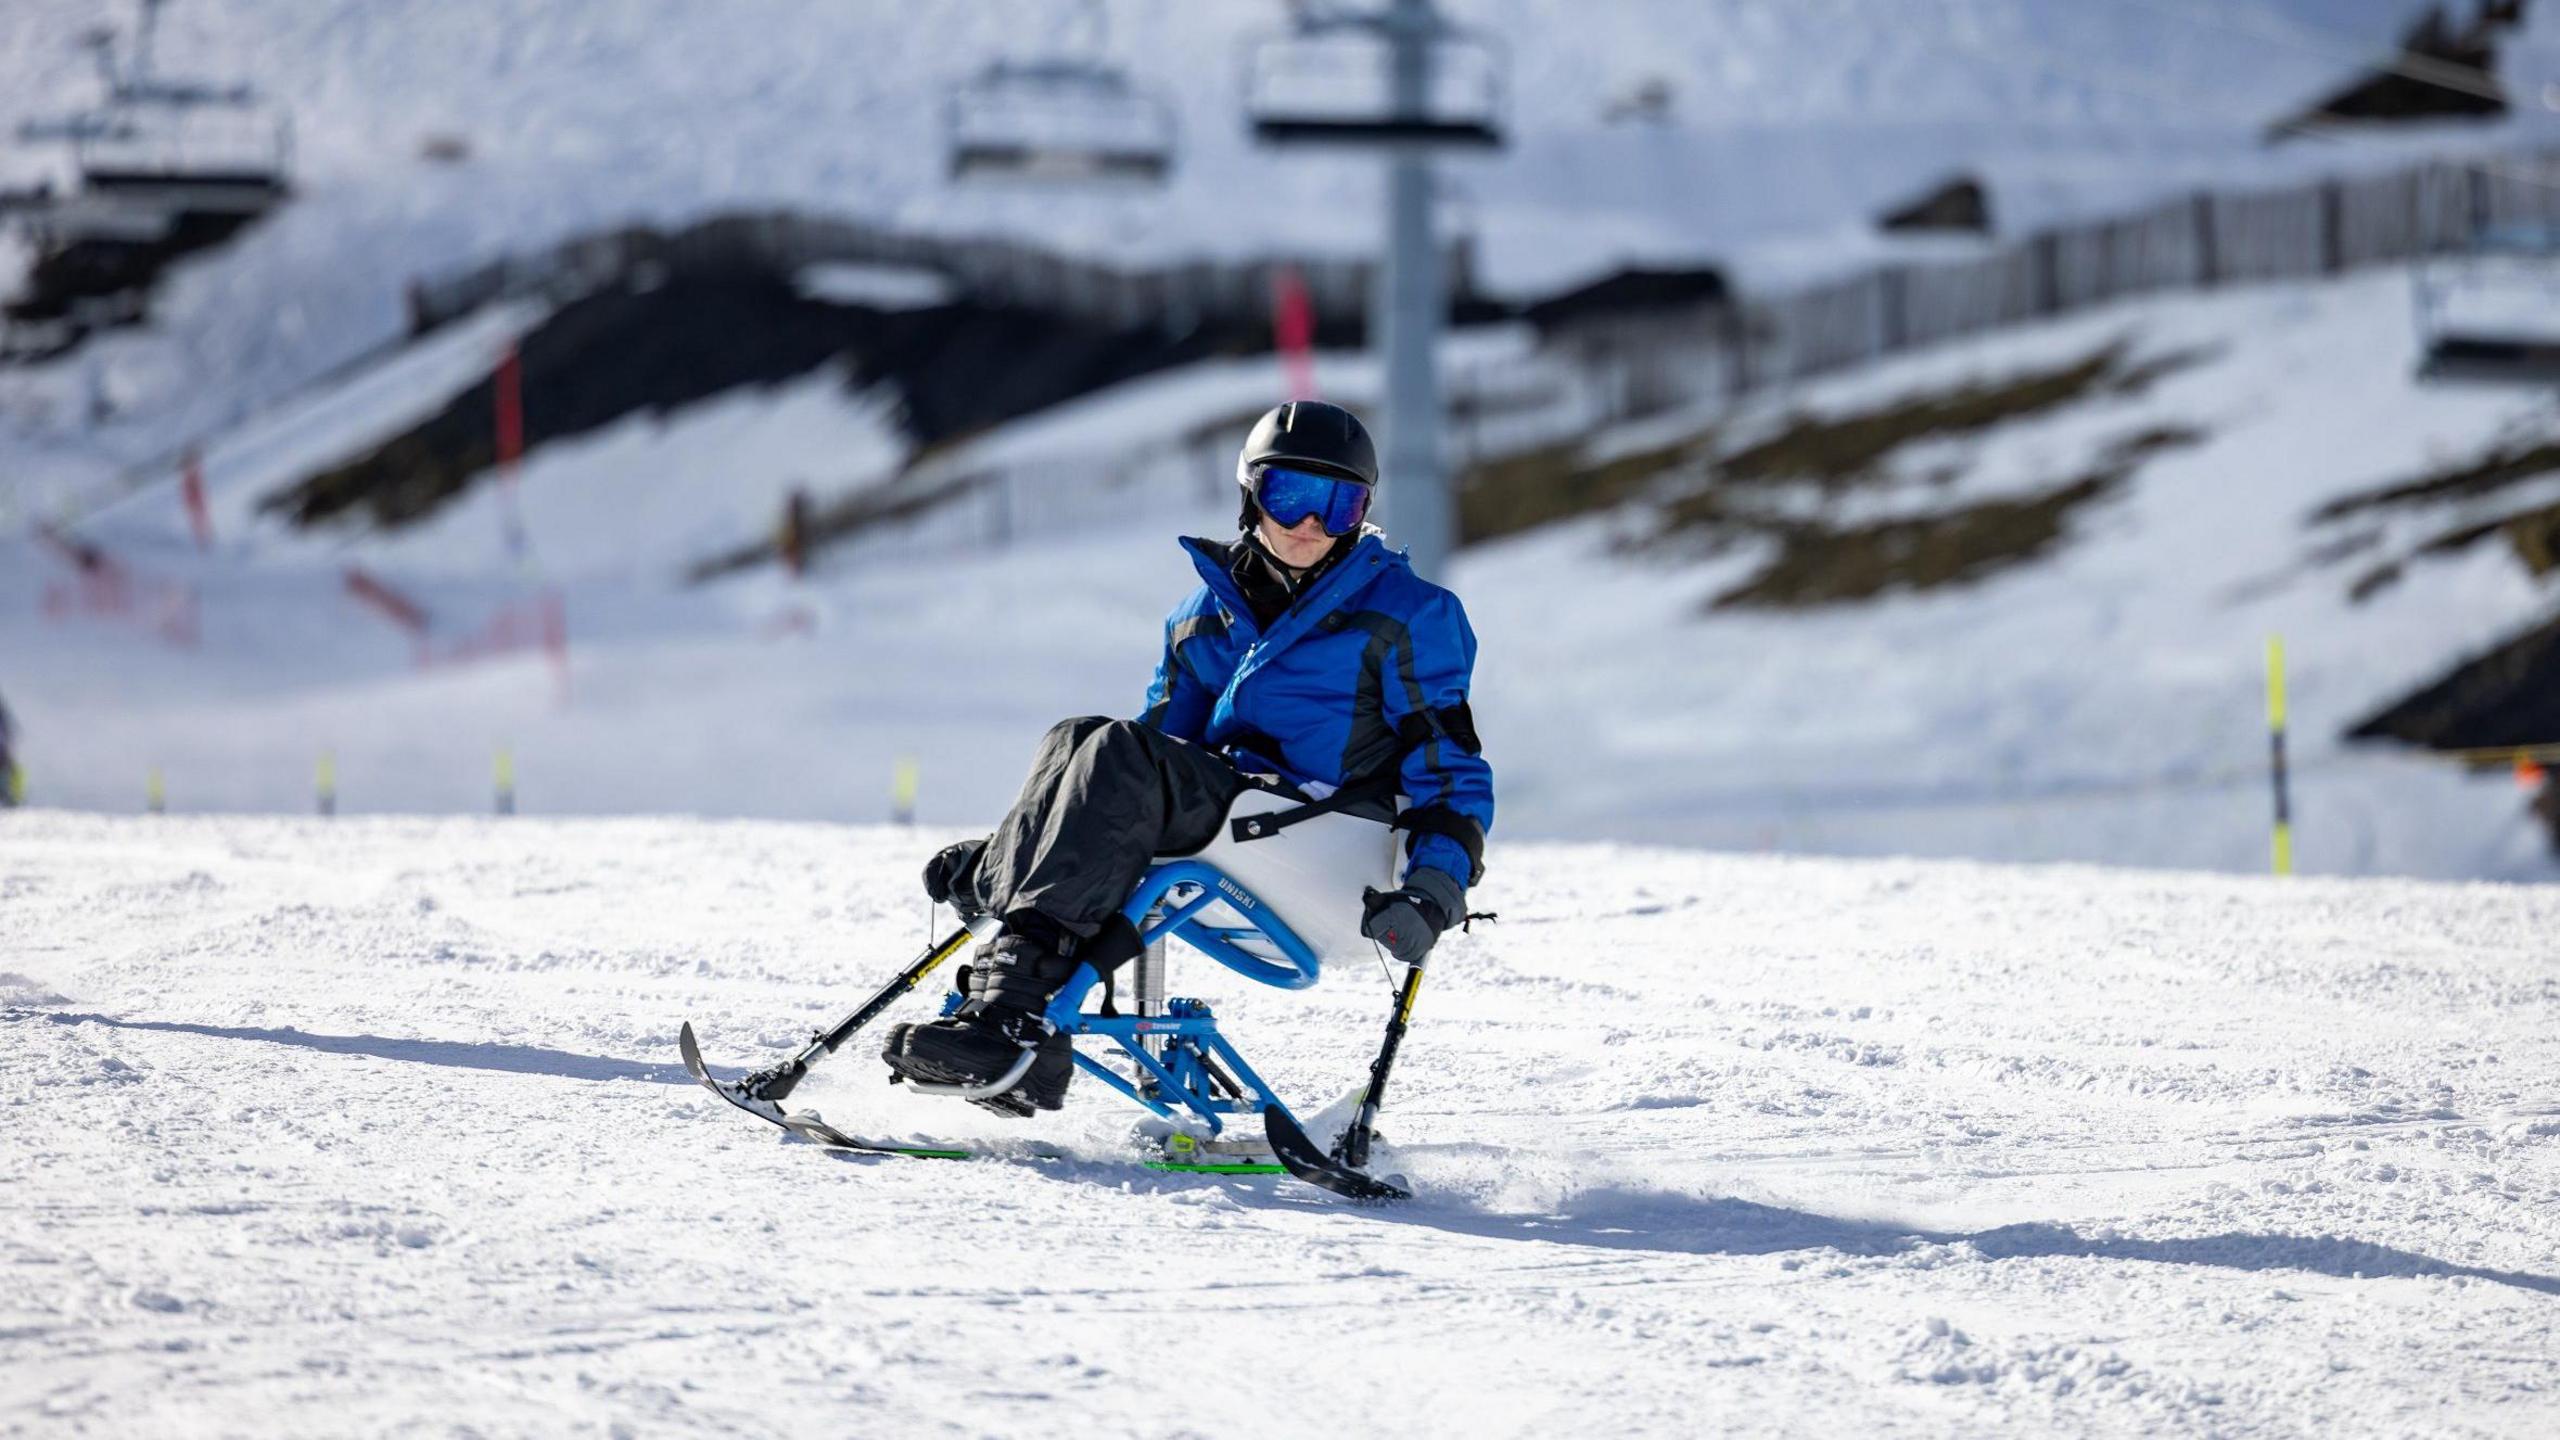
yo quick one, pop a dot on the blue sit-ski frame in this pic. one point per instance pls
(1173, 897)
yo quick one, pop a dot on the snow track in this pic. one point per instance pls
(377, 1127)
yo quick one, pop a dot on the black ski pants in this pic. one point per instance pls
(1104, 798)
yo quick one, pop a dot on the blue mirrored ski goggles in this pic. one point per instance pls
(1290, 496)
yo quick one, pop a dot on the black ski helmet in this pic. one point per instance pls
(1307, 435)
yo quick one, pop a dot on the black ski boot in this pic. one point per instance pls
(982, 1044)
(1010, 985)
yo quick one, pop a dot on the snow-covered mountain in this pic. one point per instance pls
(2098, 699)
(1791, 123)
(2101, 704)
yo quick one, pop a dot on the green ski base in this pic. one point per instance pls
(1239, 1167)
(1179, 1167)
(808, 1126)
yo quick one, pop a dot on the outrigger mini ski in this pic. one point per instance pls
(772, 1084)
(803, 1123)
(1344, 1170)
(1291, 1147)
(761, 1094)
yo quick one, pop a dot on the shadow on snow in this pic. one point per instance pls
(1611, 1218)
(504, 1059)
(1618, 1218)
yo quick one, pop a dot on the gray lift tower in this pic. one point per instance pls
(1404, 81)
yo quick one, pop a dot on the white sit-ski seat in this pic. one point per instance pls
(1311, 873)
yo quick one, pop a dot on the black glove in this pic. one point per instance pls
(1408, 922)
(951, 876)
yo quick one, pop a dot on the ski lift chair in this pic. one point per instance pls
(190, 148)
(2492, 312)
(1058, 120)
(1328, 83)
(178, 145)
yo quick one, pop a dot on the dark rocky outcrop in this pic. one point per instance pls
(2491, 710)
(1630, 292)
(653, 348)
(2448, 70)
(82, 281)
(650, 321)
(1961, 206)
(2505, 699)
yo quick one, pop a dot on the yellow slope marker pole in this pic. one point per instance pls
(324, 783)
(902, 791)
(155, 794)
(2275, 755)
(504, 775)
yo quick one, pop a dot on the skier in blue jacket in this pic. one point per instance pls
(1311, 659)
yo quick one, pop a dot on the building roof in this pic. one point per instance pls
(1632, 292)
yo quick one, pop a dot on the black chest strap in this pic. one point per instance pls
(1376, 790)
(1420, 821)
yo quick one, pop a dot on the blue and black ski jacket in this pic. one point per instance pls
(1363, 677)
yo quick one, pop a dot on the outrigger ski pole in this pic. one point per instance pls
(777, 1081)
(1352, 1148)
(1341, 1171)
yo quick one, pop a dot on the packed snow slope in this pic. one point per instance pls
(319, 1128)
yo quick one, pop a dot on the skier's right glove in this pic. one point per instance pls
(1408, 922)
(951, 876)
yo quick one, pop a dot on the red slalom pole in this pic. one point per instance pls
(510, 387)
(191, 492)
(1293, 330)
(508, 384)
(399, 609)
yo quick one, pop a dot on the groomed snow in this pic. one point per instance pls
(319, 1128)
